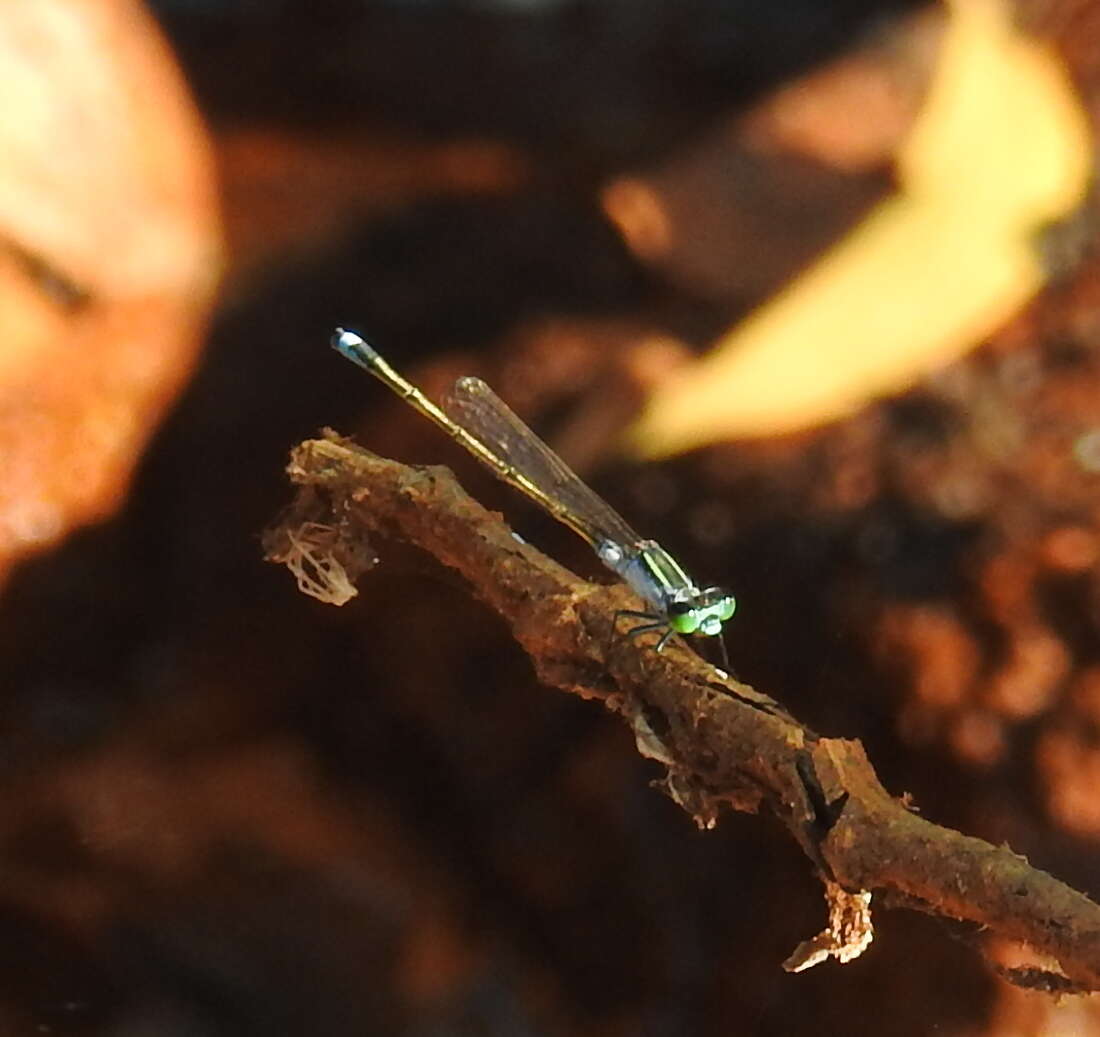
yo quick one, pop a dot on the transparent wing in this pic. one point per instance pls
(474, 406)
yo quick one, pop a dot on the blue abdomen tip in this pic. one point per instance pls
(349, 344)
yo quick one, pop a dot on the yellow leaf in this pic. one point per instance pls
(1001, 146)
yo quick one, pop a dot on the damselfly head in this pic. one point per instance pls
(703, 614)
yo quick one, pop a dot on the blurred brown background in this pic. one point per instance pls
(227, 809)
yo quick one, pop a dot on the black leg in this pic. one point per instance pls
(724, 652)
(654, 621)
(636, 615)
(646, 628)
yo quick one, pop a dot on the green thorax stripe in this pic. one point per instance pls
(665, 570)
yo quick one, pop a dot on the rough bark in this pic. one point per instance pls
(722, 741)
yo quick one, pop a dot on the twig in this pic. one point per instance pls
(721, 741)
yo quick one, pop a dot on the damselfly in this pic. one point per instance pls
(488, 428)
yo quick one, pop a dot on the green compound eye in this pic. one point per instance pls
(727, 607)
(684, 622)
